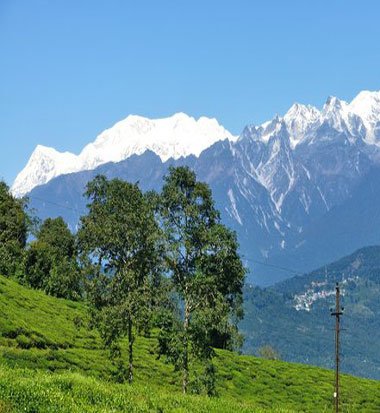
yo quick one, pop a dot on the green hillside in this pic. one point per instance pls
(51, 362)
(308, 336)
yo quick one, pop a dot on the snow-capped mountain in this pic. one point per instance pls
(367, 106)
(297, 189)
(177, 136)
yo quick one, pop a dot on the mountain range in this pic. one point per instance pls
(300, 190)
(171, 137)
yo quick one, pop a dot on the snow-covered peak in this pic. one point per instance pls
(335, 112)
(298, 110)
(358, 120)
(299, 119)
(338, 115)
(273, 127)
(44, 164)
(367, 105)
(173, 137)
(181, 135)
(333, 104)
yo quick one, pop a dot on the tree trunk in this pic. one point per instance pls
(185, 365)
(130, 351)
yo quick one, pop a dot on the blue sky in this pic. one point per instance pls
(70, 69)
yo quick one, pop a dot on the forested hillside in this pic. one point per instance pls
(294, 316)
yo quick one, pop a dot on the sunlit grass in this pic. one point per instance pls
(51, 362)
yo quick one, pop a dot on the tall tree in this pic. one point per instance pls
(51, 261)
(56, 233)
(13, 231)
(119, 237)
(205, 268)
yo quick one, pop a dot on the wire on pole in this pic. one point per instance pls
(337, 313)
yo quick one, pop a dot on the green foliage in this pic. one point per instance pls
(13, 231)
(71, 372)
(120, 235)
(55, 233)
(65, 279)
(206, 272)
(50, 261)
(28, 391)
(38, 263)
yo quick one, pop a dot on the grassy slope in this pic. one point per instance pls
(51, 335)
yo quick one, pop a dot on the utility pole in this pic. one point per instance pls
(337, 313)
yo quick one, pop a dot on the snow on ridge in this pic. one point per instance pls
(360, 117)
(234, 210)
(173, 137)
(298, 120)
(181, 135)
(367, 105)
(44, 164)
